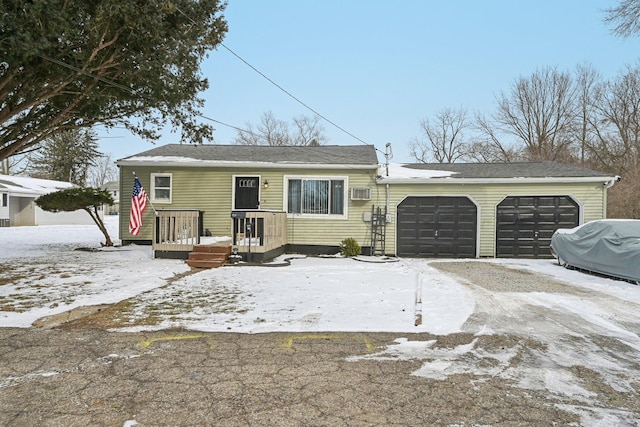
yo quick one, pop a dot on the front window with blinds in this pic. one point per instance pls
(161, 187)
(316, 196)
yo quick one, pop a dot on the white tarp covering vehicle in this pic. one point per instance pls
(610, 247)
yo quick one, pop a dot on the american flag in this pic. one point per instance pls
(138, 205)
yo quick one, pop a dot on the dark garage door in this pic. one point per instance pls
(444, 227)
(525, 224)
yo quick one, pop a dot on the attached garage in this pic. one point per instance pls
(525, 224)
(472, 210)
(437, 227)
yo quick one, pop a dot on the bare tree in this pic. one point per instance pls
(102, 171)
(625, 18)
(614, 145)
(15, 165)
(308, 131)
(442, 137)
(622, 198)
(617, 132)
(587, 81)
(273, 131)
(487, 146)
(540, 112)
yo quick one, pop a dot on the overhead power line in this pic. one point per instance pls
(135, 93)
(322, 116)
(295, 98)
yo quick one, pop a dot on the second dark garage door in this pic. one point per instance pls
(525, 224)
(438, 226)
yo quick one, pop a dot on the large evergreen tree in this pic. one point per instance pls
(72, 64)
(66, 156)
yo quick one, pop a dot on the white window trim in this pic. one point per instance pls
(152, 196)
(345, 195)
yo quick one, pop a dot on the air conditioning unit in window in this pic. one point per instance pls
(360, 193)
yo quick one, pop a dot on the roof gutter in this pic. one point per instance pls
(612, 182)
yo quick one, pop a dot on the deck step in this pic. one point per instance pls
(208, 256)
(204, 263)
(218, 249)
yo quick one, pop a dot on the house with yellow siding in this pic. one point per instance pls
(267, 200)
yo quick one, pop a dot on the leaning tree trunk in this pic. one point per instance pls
(96, 218)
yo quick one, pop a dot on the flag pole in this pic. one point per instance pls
(148, 199)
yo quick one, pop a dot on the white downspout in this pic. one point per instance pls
(608, 185)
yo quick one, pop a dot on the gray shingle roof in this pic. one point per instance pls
(358, 155)
(324, 154)
(510, 170)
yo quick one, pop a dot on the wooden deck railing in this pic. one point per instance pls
(177, 230)
(252, 231)
(259, 231)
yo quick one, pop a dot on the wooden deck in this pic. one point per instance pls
(258, 234)
(259, 231)
(176, 230)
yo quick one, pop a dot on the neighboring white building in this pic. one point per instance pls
(113, 187)
(17, 206)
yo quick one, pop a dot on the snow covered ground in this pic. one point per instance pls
(595, 324)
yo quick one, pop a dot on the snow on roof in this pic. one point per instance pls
(490, 172)
(399, 170)
(31, 186)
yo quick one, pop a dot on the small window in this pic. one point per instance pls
(317, 196)
(5, 199)
(161, 187)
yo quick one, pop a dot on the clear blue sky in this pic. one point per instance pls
(376, 68)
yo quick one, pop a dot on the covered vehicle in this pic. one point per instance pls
(610, 247)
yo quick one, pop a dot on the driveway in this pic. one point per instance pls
(181, 378)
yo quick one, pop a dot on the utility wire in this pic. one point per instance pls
(322, 116)
(135, 93)
(293, 96)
